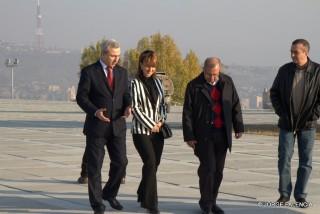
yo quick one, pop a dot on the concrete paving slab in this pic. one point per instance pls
(41, 146)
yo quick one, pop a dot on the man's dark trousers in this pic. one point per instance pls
(212, 154)
(95, 152)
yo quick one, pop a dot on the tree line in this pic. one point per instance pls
(170, 60)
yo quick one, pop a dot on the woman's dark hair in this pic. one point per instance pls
(146, 57)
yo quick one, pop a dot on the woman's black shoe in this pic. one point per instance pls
(216, 210)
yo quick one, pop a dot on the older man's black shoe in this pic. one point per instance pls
(114, 203)
(216, 210)
(153, 211)
(99, 212)
(82, 180)
(283, 199)
(205, 210)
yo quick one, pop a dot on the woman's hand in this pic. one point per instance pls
(159, 124)
(155, 129)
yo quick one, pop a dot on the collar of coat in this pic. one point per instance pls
(310, 66)
(202, 85)
(102, 77)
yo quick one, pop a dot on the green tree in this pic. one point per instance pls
(192, 64)
(130, 61)
(185, 71)
(170, 61)
(91, 54)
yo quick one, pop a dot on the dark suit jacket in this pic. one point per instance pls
(94, 93)
(197, 113)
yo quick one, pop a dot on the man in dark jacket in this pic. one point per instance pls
(211, 108)
(295, 96)
(103, 94)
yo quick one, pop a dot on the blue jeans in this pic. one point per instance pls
(285, 151)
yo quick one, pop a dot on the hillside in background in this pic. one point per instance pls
(48, 74)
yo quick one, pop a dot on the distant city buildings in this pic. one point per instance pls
(259, 102)
(245, 103)
(54, 88)
(71, 93)
(266, 102)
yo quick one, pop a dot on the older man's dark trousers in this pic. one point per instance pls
(212, 154)
(95, 152)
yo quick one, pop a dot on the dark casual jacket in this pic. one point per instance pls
(281, 97)
(94, 93)
(197, 109)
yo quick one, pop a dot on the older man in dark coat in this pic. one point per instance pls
(211, 108)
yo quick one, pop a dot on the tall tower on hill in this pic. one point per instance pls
(39, 31)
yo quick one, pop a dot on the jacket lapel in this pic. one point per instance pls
(161, 96)
(116, 79)
(102, 78)
(148, 95)
(204, 88)
(307, 80)
(205, 92)
(222, 84)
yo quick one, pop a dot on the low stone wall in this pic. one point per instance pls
(269, 129)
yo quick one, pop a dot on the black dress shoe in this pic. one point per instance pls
(153, 211)
(302, 203)
(98, 212)
(83, 180)
(283, 199)
(216, 210)
(114, 203)
(205, 210)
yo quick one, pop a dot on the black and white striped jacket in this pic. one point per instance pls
(144, 117)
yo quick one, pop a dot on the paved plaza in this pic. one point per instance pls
(41, 146)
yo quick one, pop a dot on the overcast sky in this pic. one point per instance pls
(245, 32)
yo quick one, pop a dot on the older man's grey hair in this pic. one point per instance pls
(210, 59)
(107, 44)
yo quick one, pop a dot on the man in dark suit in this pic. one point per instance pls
(104, 95)
(211, 108)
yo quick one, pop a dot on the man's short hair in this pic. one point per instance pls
(106, 44)
(303, 42)
(212, 58)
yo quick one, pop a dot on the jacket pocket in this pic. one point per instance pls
(284, 122)
(310, 124)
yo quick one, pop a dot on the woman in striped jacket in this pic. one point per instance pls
(149, 113)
